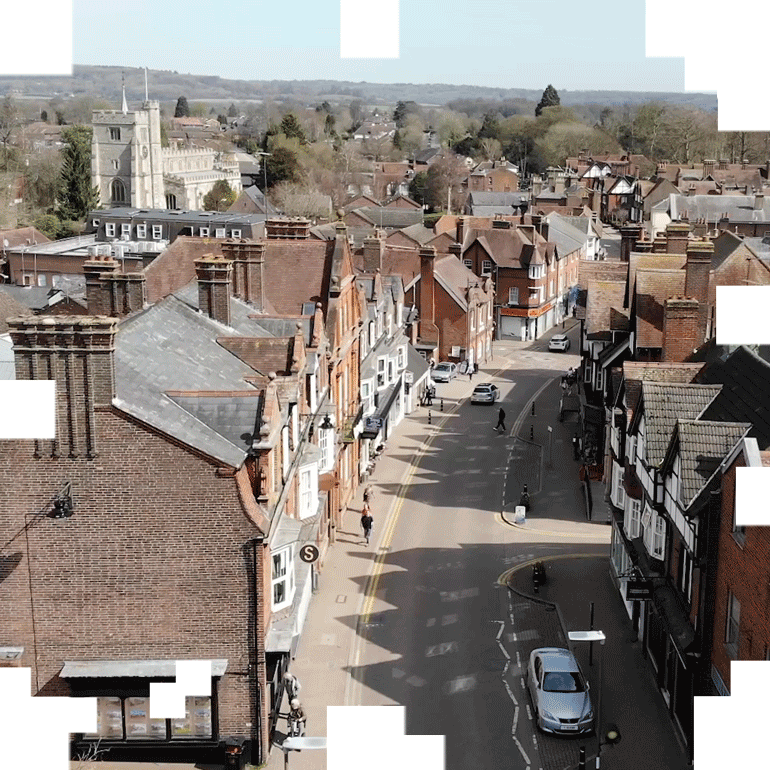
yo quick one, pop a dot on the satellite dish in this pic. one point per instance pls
(5, 243)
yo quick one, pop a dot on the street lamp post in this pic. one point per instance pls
(594, 636)
(264, 172)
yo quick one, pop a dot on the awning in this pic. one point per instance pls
(138, 669)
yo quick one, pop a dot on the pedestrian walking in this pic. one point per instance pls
(575, 447)
(500, 427)
(297, 719)
(366, 524)
(471, 370)
(368, 495)
(292, 686)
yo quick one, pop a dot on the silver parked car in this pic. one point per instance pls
(443, 372)
(559, 692)
(486, 393)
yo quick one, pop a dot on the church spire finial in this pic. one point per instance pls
(125, 105)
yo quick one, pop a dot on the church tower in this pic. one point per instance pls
(126, 163)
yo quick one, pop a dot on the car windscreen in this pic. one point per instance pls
(563, 681)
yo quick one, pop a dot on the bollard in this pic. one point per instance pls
(531, 432)
(442, 404)
(428, 416)
(582, 758)
(533, 408)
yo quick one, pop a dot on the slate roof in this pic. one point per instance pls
(10, 307)
(512, 248)
(703, 444)
(636, 371)
(737, 208)
(745, 395)
(425, 155)
(455, 277)
(29, 297)
(485, 198)
(604, 309)
(566, 237)
(172, 347)
(664, 404)
(418, 233)
(388, 217)
(254, 198)
(653, 288)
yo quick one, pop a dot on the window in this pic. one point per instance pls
(219, 232)
(306, 492)
(95, 222)
(128, 718)
(157, 232)
(391, 372)
(513, 295)
(401, 358)
(684, 578)
(550, 288)
(109, 229)
(115, 165)
(619, 496)
(41, 279)
(114, 134)
(204, 232)
(141, 231)
(325, 444)
(486, 267)
(283, 579)
(659, 537)
(125, 229)
(117, 191)
(380, 372)
(634, 511)
(285, 450)
(732, 631)
(236, 233)
(468, 263)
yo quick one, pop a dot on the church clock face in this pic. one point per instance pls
(145, 152)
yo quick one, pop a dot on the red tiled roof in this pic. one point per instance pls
(20, 235)
(604, 308)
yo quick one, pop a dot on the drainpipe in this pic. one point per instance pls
(259, 650)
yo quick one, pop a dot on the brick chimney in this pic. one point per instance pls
(759, 201)
(697, 278)
(287, 228)
(456, 250)
(428, 331)
(248, 275)
(461, 229)
(659, 244)
(643, 247)
(677, 235)
(98, 297)
(127, 293)
(374, 250)
(79, 353)
(681, 329)
(708, 167)
(629, 234)
(722, 164)
(214, 287)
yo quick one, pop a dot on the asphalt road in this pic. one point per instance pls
(438, 635)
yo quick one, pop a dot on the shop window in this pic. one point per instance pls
(128, 718)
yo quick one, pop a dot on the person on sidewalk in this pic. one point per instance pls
(292, 686)
(366, 523)
(297, 719)
(368, 495)
(471, 370)
(500, 427)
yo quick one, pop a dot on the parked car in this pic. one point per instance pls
(559, 342)
(559, 692)
(486, 393)
(444, 372)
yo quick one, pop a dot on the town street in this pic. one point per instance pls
(423, 617)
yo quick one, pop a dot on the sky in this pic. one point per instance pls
(514, 44)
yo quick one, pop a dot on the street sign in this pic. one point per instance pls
(309, 553)
(639, 590)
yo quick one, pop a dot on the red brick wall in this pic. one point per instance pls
(744, 571)
(151, 565)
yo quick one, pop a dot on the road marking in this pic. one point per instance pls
(441, 649)
(505, 576)
(430, 622)
(447, 620)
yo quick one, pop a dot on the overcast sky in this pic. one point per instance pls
(498, 43)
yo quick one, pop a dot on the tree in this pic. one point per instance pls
(490, 128)
(301, 200)
(182, 108)
(491, 149)
(418, 187)
(291, 128)
(222, 120)
(10, 119)
(48, 224)
(470, 146)
(403, 111)
(44, 116)
(329, 125)
(220, 197)
(232, 111)
(550, 98)
(443, 176)
(282, 165)
(41, 179)
(76, 194)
